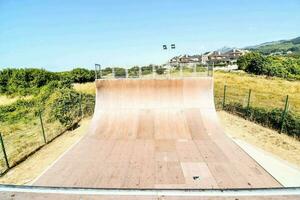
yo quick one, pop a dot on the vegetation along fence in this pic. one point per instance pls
(26, 126)
(273, 110)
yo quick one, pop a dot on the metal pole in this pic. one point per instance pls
(224, 96)
(42, 126)
(194, 70)
(284, 113)
(80, 104)
(249, 96)
(4, 151)
(96, 72)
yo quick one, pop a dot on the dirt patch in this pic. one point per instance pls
(281, 145)
(32, 167)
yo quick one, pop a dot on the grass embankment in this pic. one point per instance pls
(266, 92)
(60, 108)
(266, 103)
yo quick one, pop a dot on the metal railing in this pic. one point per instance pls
(154, 72)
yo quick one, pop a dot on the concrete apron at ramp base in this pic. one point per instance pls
(156, 134)
(36, 192)
(287, 174)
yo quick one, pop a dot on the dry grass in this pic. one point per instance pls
(5, 100)
(22, 138)
(88, 88)
(27, 171)
(266, 92)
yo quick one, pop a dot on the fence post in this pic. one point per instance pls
(4, 151)
(249, 97)
(224, 96)
(80, 104)
(284, 113)
(42, 126)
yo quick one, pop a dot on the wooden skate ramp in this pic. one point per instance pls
(156, 134)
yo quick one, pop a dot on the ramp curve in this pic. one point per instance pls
(155, 133)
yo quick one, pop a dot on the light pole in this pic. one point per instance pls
(173, 46)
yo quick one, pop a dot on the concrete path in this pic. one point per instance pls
(284, 172)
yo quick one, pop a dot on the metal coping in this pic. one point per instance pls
(289, 191)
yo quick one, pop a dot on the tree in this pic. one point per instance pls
(245, 60)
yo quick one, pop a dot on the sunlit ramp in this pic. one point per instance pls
(154, 137)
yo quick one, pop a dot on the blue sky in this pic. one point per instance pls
(63, 34)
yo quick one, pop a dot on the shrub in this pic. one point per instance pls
(285, 67)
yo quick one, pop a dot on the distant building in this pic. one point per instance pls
(217, 57)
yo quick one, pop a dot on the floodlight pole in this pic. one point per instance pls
(165, 48)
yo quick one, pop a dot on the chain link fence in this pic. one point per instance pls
(277, 111)
(33, 130)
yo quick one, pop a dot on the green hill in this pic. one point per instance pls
(278, 47)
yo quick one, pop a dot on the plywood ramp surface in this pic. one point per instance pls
(156, 134)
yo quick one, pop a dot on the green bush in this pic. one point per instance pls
(58, 100)
(285, 67)
(64, 106)
(29, 81)
(160, 70)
